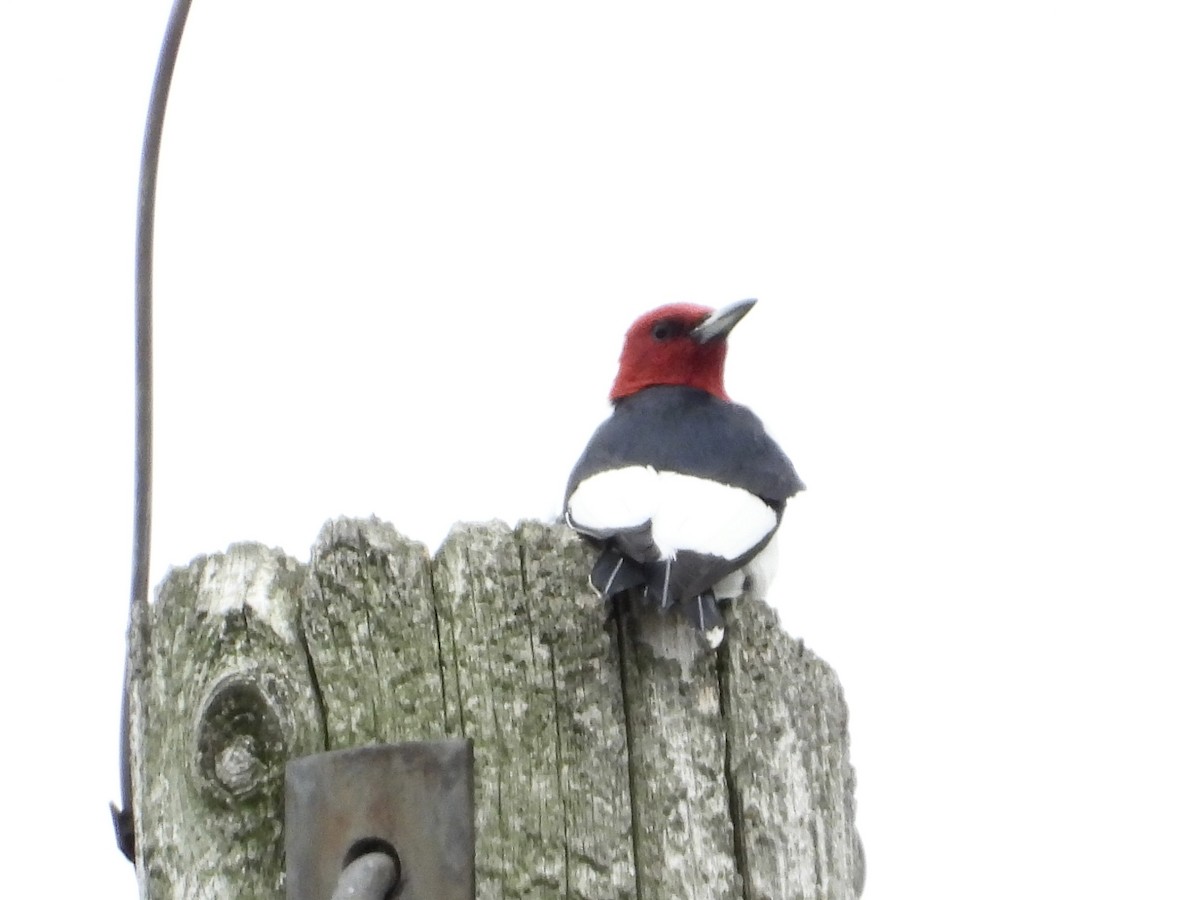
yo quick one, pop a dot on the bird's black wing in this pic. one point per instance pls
(682, 429)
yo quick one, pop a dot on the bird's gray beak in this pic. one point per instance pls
(721, 322)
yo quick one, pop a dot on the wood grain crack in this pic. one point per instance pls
(622, 612)
(741, 859)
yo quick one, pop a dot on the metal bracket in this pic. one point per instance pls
(415, 800)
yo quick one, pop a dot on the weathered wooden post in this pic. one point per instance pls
(613, 759)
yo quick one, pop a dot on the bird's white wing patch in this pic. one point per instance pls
(614, 500)
(686, 512)
(708, 517)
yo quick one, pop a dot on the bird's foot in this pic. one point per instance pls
(705, 616)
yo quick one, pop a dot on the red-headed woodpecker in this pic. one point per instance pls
(680, 489)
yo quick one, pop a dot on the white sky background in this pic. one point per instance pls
(398, 247)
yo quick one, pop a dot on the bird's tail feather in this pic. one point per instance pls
(614, 573)
(706, 618)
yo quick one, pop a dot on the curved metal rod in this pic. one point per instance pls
(372, 876)
(123, 823)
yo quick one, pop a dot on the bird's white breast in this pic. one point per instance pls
(685, 512)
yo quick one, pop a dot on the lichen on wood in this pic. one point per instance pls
(615, 756)
(221, 698)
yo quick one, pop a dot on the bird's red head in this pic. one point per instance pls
(677, 344)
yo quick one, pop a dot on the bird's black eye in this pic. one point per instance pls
(664, 329)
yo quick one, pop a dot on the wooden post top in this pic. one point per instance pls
(615, 757)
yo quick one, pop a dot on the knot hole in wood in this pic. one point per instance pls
(240, 743)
